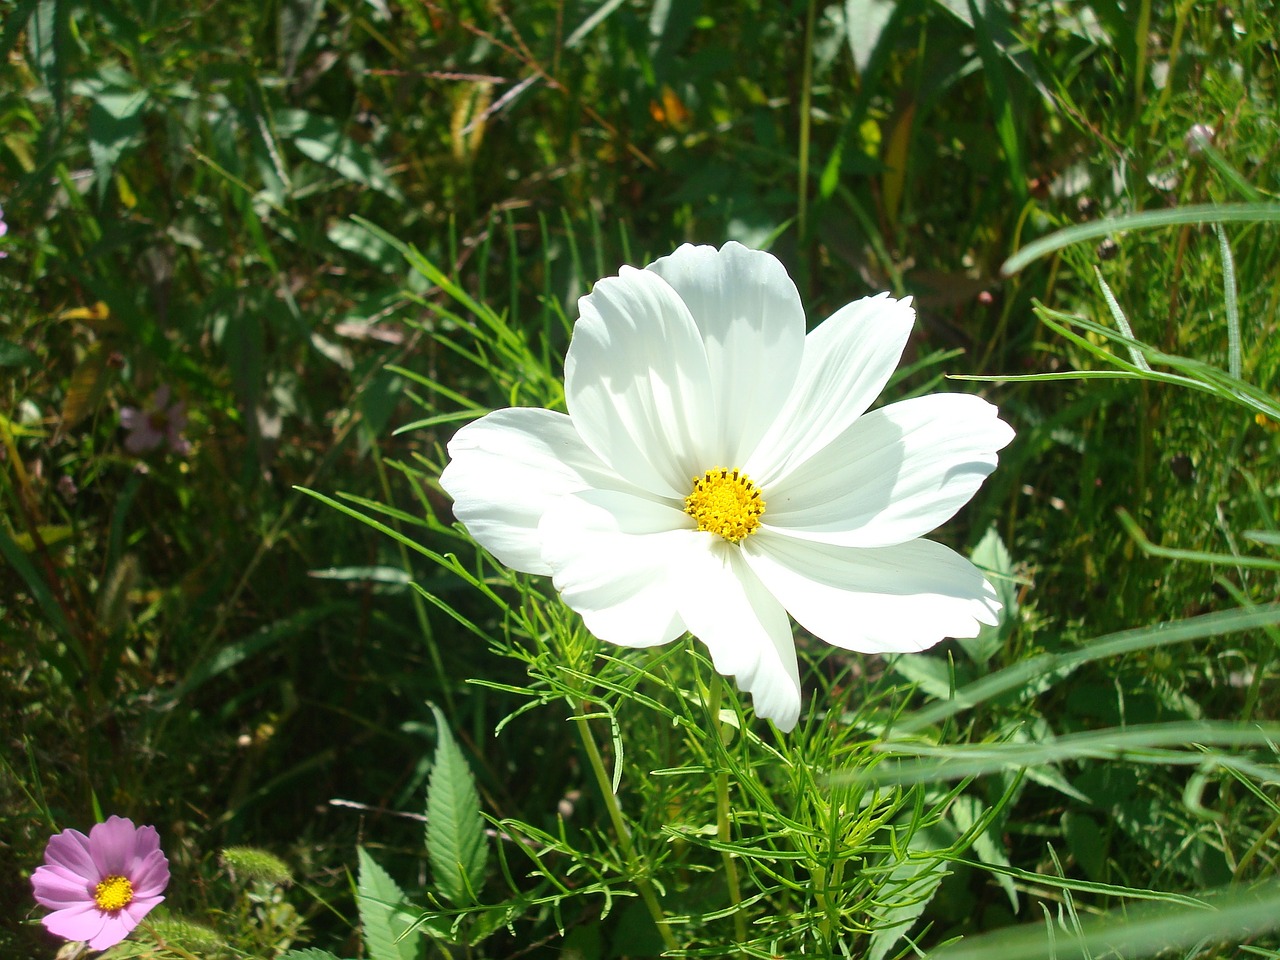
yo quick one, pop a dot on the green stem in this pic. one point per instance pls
(722, 812)
(1140, 56)
(819, 875)
(722, 832)
(806, 101)
(643, 884)
(163, 945)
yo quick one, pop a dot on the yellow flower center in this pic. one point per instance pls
(113, 893)
(725, 502)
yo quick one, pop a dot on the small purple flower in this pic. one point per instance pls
(157, 422)
(100, 887)
(4, 228)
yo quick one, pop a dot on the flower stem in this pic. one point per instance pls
(806, 101)
(164, 945)
(643, 884)
(722, 813)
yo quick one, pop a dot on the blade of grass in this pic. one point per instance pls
(1234, 362)
(1059, 665)
(1200, 213)
(1234, 916)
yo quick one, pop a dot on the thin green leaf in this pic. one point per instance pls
(1235, 916)
(1122, 321)
(998, 93)
(1234, 364)
(592, 21)
(1177, 216)
(1062, 664)
(1149, 743)
(910, 887)
(15, 20)
(1199, 556)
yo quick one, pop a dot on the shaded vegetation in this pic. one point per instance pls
(212, 200)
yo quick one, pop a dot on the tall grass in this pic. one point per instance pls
(336, 230)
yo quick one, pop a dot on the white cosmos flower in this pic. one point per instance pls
(717, 470)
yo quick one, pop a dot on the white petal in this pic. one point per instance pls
(507, 468)
(847, 361)
(885, 599)
(751, 320)
(746, 630)
(896, 474)
(636, 382)
(610, 554)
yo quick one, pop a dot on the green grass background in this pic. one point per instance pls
(213, 197)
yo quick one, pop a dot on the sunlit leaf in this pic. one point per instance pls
(385, 915)
(455, 828)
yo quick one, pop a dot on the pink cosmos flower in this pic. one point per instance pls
(157, 422)
(4, 228)
(100, 887)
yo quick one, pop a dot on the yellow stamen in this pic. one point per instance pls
(725, 502)
(113, 893)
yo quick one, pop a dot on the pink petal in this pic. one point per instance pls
(58, 888)
(150, 876)
(139, 907)
(146, 841)
(111, 846)
(76, 923)
(70, 849)
(65, 875)
(117, 926)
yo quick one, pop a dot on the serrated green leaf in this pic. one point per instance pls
(311, 953)
(455, 829)
(385, 914)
